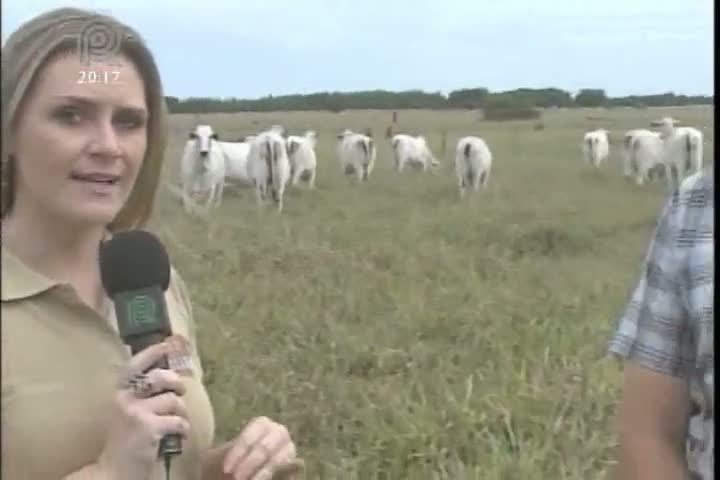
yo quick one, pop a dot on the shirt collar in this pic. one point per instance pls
(19, 280)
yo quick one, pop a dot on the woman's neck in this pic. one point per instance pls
(63, 252)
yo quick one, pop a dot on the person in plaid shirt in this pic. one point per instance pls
(666, 418)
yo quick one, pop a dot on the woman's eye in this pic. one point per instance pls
(130, 121)
(125, 120)
(68, 115)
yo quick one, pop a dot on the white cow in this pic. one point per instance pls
(413, 151)
(279, 129)
(236, 161)
(202, 169)
(683, 150)
(303, 162)
(357, 154)
(628, 170)
(473, 161)
(596, 147)
(269, 167)
(643, 153)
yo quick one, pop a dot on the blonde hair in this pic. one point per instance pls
(31, 47)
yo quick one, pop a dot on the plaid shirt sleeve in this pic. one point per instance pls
(653, 331)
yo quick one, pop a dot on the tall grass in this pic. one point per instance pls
(401, 333)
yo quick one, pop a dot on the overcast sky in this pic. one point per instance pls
(252, 48)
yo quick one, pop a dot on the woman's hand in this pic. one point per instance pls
(139, 420)
(262, 451)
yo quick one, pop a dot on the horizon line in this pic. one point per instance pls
(572, 93)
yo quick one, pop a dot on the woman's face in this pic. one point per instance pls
(78, 144)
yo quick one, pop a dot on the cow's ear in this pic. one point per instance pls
(215, 136)
(192, 135)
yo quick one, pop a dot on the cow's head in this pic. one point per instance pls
(665, 124)
(311, 136)
(344, 134)
(291, 146)
(430, 158)
(280, 130)
(203, 136)
(606, 132)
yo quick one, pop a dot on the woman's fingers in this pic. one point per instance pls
(248, 437)
(282, 465)
(261, 449)
(163, 404)
(146, 358)
(157, 381)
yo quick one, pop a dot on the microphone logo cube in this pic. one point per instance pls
(141, 311)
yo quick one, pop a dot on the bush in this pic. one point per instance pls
(504, 106)
(517, 112)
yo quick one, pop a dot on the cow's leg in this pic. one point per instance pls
(682, 170)
(210, 199)
(461, 185)
(485, 178)
(626, 166)
(221, 190)
(674, 177)
(641, 174)
(185, 198)
(196, 199)
(476, 182)
(296, 174)
(190, 198)
(280, 195)
(311, 181)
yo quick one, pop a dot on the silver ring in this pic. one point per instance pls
(140, 384)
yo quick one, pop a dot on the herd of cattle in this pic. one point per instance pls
(271, 160)
(671, 152)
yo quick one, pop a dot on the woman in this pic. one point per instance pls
(81, 160)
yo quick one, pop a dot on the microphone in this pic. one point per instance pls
(135, 272)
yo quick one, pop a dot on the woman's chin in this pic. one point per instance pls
(90, 215)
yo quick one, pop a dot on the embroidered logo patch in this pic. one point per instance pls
(180, 356)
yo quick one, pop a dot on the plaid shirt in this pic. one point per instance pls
(668, 323)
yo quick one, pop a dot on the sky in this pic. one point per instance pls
(254, 48)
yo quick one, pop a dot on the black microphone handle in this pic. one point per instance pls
(171, 443)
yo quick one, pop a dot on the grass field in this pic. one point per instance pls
(403, 334)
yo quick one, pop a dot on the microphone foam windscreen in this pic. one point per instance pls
(132, 260)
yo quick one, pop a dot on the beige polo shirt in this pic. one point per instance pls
(61, 362)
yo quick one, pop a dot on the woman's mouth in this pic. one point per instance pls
(98, 178)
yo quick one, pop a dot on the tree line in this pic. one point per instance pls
(519, 103)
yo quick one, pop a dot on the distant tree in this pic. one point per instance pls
(510, 106)
(590, 97)
(522, 101)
